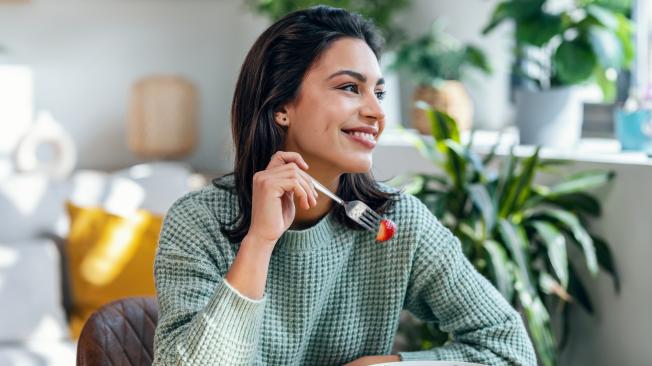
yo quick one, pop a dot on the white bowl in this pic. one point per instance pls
(428, 363)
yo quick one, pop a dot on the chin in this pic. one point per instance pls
(358, 166)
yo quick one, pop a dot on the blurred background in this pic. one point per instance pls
(112, 109)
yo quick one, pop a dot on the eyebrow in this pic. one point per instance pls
(355, 75)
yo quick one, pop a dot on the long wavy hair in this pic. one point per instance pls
(270, 77)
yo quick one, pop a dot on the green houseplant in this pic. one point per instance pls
(515, 232)
(436, 62)
(557, 48)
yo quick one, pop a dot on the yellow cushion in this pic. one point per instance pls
(109, 257)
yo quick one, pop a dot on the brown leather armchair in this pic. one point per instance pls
(120, 333)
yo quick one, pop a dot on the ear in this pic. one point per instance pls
(281, 117)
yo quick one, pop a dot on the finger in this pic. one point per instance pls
(306, 181)
(294, 185)
(311, 183)
(291, 170)
(303, 180)
(283, 157)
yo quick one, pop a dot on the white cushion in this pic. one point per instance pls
(39, 353)
(33, 204)
(30, 205)
(164, 182)
(30, 292)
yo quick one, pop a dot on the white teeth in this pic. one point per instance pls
(367, 136)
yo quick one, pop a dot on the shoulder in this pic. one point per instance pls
(207, 206)
(430, 242)
(407, 208)
(415, 220)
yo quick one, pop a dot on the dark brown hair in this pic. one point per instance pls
(270, 77)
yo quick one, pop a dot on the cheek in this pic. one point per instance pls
(326, 117)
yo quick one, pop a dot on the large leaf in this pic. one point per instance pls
(602, 16)
(556, 248)
(456, 164)
(483, 202)
(538, 323)
(577, 202)
(411, 184)
(516, 242)
(607, 47)
(581, 236)
(519, 191)
(526, 178)
(492, 153)
(574, 61)
(607, 85)
(443, 126)
(539, 30)
(436, 184)
(424, 147)
(577, 290)
(477, 58)
(507, 172)
(550, 286)
(501, 268)
(620, 6)
(518, 10)
(606, 260)
(479, 172)
(582, 181)
(624, 33)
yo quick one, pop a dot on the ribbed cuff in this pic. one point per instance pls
(429, 355)
(240, 293)
(240, 316)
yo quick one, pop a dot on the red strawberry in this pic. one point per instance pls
(386, 230)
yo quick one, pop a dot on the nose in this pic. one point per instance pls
(372, 108)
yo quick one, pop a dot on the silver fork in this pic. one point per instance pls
(358, 211)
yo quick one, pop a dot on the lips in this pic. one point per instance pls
(365, 140)
(363, 129)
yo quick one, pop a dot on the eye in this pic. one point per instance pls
(381, 94)
(350, 87)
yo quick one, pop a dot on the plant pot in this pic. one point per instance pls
(451, 98)
(551, 118)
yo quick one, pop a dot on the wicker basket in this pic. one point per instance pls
(451, 98)
(163, 117)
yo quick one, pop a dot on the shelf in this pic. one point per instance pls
(598, 150)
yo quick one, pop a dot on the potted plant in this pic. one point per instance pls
(557, 49)
(515, 231)
(436, 62)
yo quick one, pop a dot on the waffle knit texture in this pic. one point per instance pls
(333, 294)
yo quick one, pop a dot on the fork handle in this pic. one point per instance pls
(327, 192)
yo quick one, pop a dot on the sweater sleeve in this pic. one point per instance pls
(445, 288)
(202, 320)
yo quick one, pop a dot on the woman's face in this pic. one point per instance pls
(341, 91)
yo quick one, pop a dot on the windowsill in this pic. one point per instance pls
(598, 150)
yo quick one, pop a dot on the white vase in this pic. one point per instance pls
(551, 118)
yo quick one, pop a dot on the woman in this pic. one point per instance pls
(259, 268)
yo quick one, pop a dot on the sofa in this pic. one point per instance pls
(35, 295)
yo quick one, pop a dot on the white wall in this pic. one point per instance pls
(86, 54)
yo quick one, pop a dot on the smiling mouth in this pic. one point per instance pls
(365, 139)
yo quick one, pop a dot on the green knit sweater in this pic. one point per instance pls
(333, 294)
